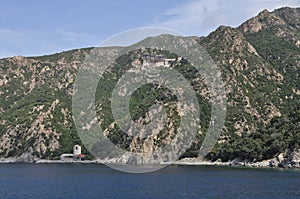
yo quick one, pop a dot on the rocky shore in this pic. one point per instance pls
(272, 163)
(283, 160)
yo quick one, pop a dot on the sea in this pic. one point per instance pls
(100, 181)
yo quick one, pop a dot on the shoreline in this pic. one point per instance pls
(184, 162)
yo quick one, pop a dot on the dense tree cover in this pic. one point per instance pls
(280, 135)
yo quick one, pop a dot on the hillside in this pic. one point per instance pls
(260, 65)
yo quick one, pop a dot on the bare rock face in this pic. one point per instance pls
(265, 19)
(287, 159)
(294, 158)
(26, 157)
(280, 157)
(258, 61)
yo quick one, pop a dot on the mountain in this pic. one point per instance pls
(260, 65)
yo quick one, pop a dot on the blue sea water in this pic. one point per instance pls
(98, 181)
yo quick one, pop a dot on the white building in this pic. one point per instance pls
(76, 150)
(73, 157)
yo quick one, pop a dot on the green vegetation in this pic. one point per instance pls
(262, 118)
(281, 134)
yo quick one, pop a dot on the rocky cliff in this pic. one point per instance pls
(260, 65)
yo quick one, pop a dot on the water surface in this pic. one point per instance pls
(98, 181)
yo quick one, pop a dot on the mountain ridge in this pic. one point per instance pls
(35, 95)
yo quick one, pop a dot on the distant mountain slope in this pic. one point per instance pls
(260, 64)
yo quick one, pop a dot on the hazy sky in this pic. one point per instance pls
(43, 27)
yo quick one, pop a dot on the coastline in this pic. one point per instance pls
(183, 162)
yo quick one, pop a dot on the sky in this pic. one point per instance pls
(34, 27)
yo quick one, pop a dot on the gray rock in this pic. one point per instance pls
(26, 157)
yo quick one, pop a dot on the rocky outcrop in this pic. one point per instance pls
(258, 61)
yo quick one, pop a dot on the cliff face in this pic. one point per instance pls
(260, 65)
(260, 61)
(35, 97)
